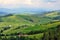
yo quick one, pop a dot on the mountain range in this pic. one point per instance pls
(23, 10)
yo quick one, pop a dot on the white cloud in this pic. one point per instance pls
(14, 3)
(52, 4)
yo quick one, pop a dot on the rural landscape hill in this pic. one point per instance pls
(30, 26)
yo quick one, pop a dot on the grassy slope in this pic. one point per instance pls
(18, 20)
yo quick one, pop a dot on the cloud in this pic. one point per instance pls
(14, 3)
(48, 4)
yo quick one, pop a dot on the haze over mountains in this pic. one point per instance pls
(22, 10)
(4, 11)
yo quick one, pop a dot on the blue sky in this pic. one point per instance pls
(33, 4)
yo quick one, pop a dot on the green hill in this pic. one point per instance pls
(54, 15)
(28, 27)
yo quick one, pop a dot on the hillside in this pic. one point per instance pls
(54, 15)
(29, 27)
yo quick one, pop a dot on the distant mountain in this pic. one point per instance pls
(23, 10)
(3, 13)
(31, 11)
(6, 10)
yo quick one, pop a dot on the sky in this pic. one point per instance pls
(33, 4)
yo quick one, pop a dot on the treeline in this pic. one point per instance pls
(19, 38)
(52, 34)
